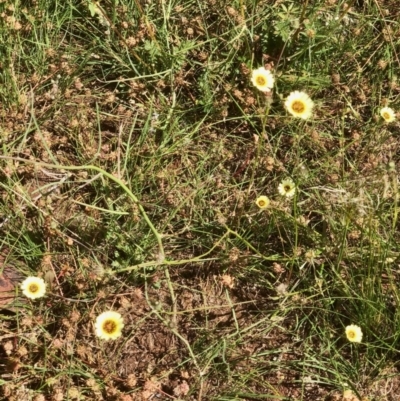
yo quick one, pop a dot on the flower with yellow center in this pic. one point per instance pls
(287, 188)
(109, 325)
(262, 79)
(263, 202)
(299, 104)
(33, 287)
(354, 333)
(388, 114)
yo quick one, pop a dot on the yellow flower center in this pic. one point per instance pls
(298, 106)
(33, 288)
(351, 334)
(260, 80)
(261, 203)
(386, 115)
(109, 326)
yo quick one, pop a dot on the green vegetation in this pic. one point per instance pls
(133, 149)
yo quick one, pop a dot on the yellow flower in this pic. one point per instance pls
(388, 114)
(262, 79)
(354, 333)
(287, 188)
(33, 287)
(109, 325)
(299, 104)
(262, 202)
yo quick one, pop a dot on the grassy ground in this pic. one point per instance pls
(133, 148)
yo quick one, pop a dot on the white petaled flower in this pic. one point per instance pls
(33, 287)
(109, 325)
(354, 333)
(388, 114)
(299, 104)
(287, 188)
(262, 79)
(263, 202)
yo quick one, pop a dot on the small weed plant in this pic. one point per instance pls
(199, 200)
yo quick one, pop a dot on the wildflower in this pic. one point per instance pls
(354, 333)
(287, 188)
(388, 114)
(299, 104)
(109, 325)
(262, 79)
(33, 287)
(263, 202)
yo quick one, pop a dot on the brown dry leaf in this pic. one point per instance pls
(6, 290)
(8, 280)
